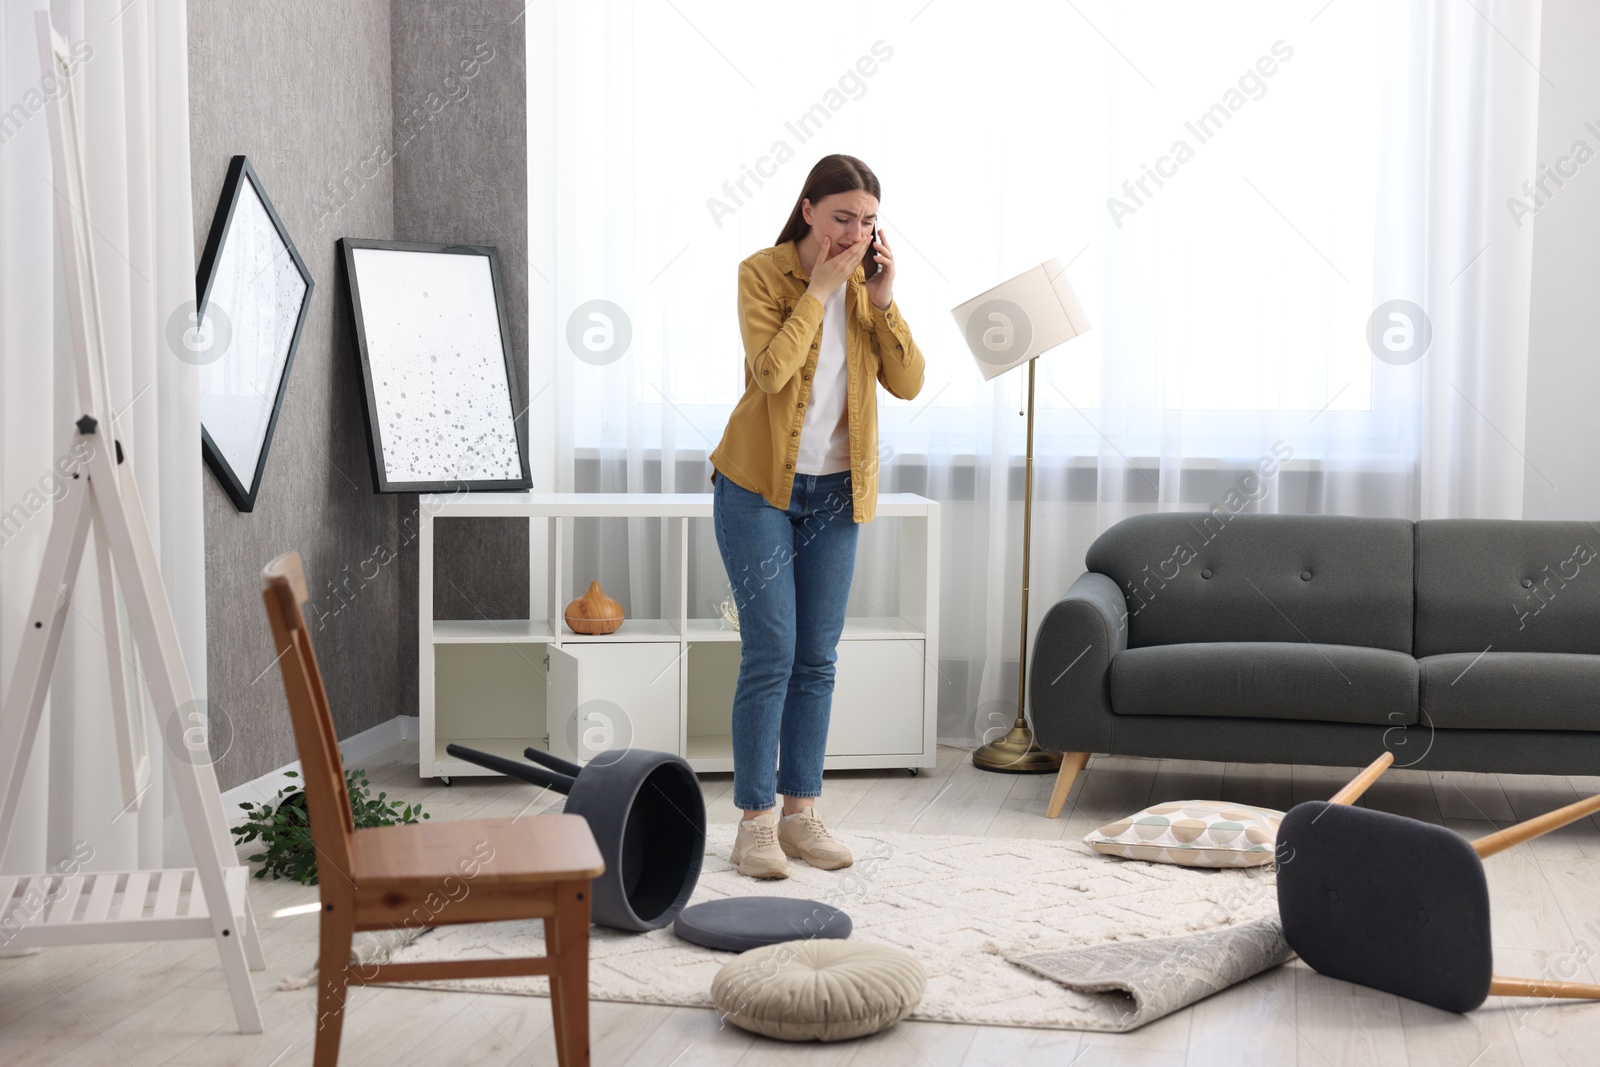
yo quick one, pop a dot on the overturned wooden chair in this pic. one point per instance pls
(469, 871)
(1401, 905)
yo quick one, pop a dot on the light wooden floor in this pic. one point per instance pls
(132, 1005)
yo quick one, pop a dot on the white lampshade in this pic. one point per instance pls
(1021, 319)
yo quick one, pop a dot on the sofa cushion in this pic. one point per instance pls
(1216, 576)
(1511, 691)
(1267, 680)
(1518, 586)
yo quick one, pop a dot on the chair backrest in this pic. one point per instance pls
(1217, 576)
(283, 588)
(1386, 902)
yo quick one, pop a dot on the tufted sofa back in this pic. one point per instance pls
(1507, 584)
(1215, 576)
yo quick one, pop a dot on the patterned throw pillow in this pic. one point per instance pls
(1194, 833)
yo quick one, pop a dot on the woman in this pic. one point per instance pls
(794, 473)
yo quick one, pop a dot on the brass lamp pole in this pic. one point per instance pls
(1014, 323)
(1017, 752)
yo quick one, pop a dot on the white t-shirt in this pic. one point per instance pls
(825, 433)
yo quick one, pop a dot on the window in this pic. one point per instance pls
(1212, 173)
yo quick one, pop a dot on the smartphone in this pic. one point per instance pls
(872, 265)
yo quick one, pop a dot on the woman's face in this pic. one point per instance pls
(845, 218)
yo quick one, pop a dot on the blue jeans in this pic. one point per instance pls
(790, 571)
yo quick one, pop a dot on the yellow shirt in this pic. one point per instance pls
(781, 324)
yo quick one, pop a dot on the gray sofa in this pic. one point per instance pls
(1456, 644)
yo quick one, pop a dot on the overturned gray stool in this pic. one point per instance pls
(647, 815)
(738, 924)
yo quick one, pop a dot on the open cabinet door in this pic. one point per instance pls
(621, 696)
(561, 701)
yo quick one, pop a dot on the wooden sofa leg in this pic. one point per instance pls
(1071, 764)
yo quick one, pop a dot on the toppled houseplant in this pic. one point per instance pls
(283, 826)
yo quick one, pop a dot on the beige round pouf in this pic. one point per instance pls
(823, 990)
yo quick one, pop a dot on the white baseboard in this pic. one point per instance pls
(353, 750)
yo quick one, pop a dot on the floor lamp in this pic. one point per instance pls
(1014, 323)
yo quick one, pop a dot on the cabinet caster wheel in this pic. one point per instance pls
(912, 771)
(445, 778)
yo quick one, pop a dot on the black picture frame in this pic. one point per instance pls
(243, 486)
(376, 362)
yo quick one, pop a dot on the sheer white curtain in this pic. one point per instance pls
(1239, 191)
(1478, 117)
(132, 88)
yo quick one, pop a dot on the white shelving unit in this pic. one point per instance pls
(660, 683)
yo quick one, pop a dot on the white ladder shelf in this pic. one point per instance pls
(208, 900)
(101, 907)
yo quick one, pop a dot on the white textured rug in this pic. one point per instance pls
(963, 906)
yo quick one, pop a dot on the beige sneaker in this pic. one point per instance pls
(755, 848)
(804, 836)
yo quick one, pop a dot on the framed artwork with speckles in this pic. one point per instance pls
(438, 385)
(252, 291)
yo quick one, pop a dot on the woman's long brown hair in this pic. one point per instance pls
(832, 174)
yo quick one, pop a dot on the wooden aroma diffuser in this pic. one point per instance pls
(594, 612)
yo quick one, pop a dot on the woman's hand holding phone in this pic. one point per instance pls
(881, 286)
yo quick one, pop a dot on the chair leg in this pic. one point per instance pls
(1501, 840)
(1359, 784)
(1538, 987)
(333, 974)
(567, 942)
(1071, 764)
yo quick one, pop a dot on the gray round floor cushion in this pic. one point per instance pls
(818, 990)
(738, 924)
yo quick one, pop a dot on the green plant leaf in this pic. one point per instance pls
(283, 829)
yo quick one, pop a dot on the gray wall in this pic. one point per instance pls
(461, 177)
(364, 119)
(1563, 437)
(301, 87)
